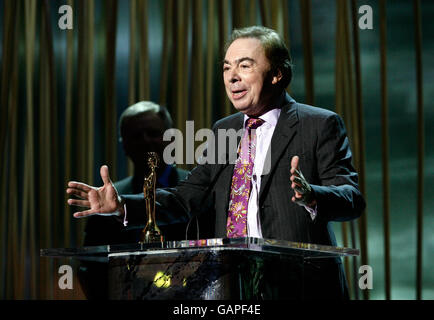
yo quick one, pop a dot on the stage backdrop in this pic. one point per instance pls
(62, 91)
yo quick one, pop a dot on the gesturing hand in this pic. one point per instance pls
(302, 189)
(102, 201)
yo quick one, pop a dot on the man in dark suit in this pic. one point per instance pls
(293, 174)
(141, 128)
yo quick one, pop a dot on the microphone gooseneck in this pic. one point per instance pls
(206, 194)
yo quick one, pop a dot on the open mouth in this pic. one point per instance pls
(238, 94)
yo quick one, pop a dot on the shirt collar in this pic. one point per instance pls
(269, 117)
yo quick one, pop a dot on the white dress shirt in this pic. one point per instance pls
(264, 133)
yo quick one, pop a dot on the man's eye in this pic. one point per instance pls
(245, 66)
(225, 68)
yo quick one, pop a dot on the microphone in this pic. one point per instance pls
(206, 194)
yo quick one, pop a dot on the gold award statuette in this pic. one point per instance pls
(151, 232)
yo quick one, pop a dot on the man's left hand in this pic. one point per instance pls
(303, 191)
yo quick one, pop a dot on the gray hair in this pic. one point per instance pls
(143, 107)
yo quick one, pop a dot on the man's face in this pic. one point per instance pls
(141, 134)
(247, 77)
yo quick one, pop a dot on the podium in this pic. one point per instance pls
(211, 269)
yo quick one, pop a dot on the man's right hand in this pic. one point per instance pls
(102, 201)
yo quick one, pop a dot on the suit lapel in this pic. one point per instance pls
(283, 134)
(285, 130)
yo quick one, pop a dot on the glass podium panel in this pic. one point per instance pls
(218, 269)
(305, 250)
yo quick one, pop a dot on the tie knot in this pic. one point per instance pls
(253, 123)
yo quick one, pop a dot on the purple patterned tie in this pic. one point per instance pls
(241, 182)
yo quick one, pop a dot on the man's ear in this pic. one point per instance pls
(276, 77)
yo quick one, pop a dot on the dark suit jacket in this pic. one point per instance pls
(319, 138)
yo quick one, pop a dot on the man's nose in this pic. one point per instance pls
(234, 77)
